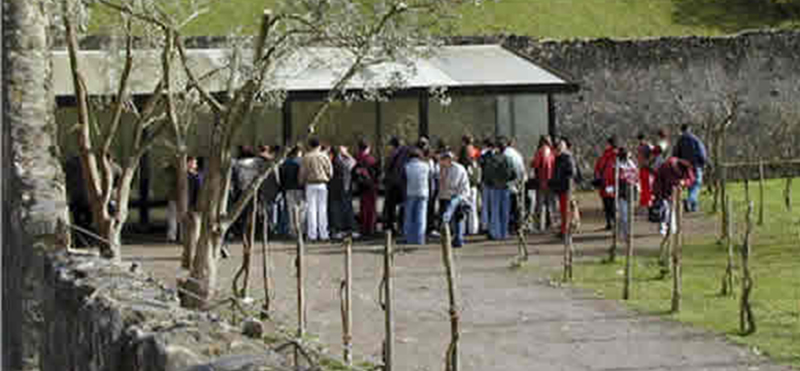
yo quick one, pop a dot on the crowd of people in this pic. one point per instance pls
(489, 189)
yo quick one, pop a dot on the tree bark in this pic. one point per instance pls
(626, 291)
(347, 303)
(677, 274)
(761, 192)
(388, 344)
(727, 279)
(787, 194)
(35, 215)
(452, 354)
(747, 322)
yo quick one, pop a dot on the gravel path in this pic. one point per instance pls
(511, 319)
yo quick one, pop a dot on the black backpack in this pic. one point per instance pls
(657, 213)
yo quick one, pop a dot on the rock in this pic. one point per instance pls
(253, 328)
(180, 358)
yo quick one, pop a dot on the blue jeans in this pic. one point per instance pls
(500, 213)
(456, 224)
(694, 190)
(416, 210)
(486, 205)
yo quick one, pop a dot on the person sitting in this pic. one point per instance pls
(454, 196)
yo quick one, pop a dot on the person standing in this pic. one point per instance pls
(500, 175)
(606, 161)
(418, 177)
(517, 188)
(673, 173)
(454, 196)
(563, 181)
(628, 181)
(341, 193)
(316, 171)
(365, 175)
(543, 166)
(393, 181)
(643, 154)
(467, 157)
(487, 152)
(293, 192)
(692, 149)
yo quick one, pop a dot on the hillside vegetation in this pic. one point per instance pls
(557, 19)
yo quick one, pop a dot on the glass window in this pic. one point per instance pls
(465, 115)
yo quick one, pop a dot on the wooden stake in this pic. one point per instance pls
(725, 209)
(787, 194)
(626, 291)
(452, 355)
(265, 271)
(761, 192)
(568, 247)
(388, 258)
(727, 279)
(247, 246)
(676, 254)
(347, 300)
(301, 304)
(665, 251)
(747, 322)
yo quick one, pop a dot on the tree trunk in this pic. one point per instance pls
(747, 322)
(35, 215)
(612, 252)
(727, 279)
(626, 291)
(787, 194)
(761, 192)
(677, 275)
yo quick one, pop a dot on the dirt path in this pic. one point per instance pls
(511, 319)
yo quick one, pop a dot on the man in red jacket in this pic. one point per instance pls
(608, 159)
(543, 166)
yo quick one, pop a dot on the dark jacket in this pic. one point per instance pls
(564, 173)
(669, 176)
(692, 149)
(342, 180)
(498, 171)
(395, 167)
(290, 174)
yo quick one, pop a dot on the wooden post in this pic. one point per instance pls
(676, 254)
(727, 279)
(568, 248)
(626, 291)
(347, 300)
(265, 271)
(787, 194)
(747, 198)
(388, 258)
(760, 192)
(452, 355)
(725, 229)
(248, 241)
(665, 251)
(612, 253)
(747, 322)
(301, 304)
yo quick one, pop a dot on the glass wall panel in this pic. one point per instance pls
(530, 118)
(472, 115)
(342, 124)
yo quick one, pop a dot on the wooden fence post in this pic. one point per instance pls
(761, 192)
(626, 291)
(347, 300)
(388, 347)
(724, 196)
(266, 275)
(568, 247)
(747, 322)
(452, 355)
(787, 194)
(676, 254)
(727, 279)
(301, 304)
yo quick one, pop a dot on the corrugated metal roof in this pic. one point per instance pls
(318, 69)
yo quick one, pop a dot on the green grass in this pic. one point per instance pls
(776, 268)
(558, 19)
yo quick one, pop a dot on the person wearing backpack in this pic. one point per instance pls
(674, 173)
(690, 148)
(500, 175)
(394, 183)
(562, 183)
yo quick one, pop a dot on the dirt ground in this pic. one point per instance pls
(511, 319)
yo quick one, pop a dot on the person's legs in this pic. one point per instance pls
(494, 214)
(408, 220)
(349, 214)
(563, 209)
(609, 210)
(313, 200)
(623, 219)
(322, 214)
(415, 215)
(368, 212)
(644, 184)
(505, 212)
(694, 190)
(172, 221)
(472, 222)
(337, 218)
(486, 206)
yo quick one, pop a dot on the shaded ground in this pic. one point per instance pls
(511, 319)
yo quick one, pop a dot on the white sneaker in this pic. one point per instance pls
(338, 236)
(356, 235)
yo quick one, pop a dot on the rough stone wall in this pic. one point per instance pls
(633, 86)
(104, 316)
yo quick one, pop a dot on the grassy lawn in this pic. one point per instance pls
(558, 19)
(775, 265)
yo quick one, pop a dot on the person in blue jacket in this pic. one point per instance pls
(692, 149)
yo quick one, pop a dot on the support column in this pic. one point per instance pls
(424, 114)
(551, 115)
(287, 122)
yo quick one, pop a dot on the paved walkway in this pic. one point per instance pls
(511, 319)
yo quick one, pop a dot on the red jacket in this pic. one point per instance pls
(628, 173)
(601, 166)
(544, 164)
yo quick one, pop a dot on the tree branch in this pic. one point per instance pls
(121, 93)
(194, 83)
(129, 11)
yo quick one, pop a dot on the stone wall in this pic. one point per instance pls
(633, 86)
(101, 315)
